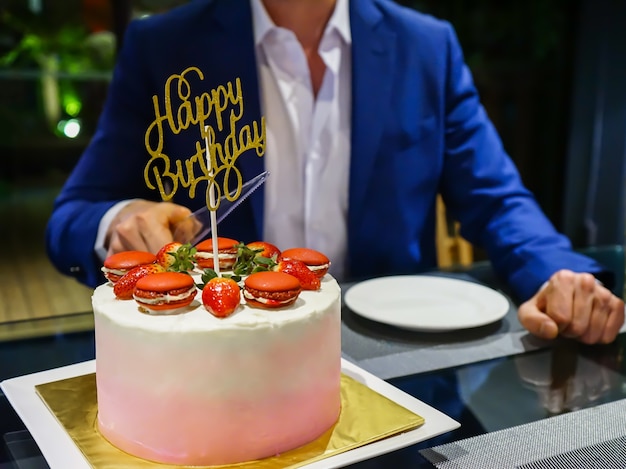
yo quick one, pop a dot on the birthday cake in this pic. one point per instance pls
(191, 388)
(241, 368)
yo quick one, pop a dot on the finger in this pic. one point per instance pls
(176, 213)
(535, 321)
(115, 245)
(186, 230)
(598, 319)
(156, 226)
(126, 237)
(582, 305)
(614, 321)
(147, 227)
(560, 298)
(184, 227)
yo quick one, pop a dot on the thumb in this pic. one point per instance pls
(175, 213)
(536, 321)
(183, 229)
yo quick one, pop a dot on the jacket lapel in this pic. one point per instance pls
(373, 64)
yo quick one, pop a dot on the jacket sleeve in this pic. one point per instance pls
(109, 170)
(483, 190)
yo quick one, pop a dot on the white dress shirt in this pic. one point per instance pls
(308, 138)
(307, 150)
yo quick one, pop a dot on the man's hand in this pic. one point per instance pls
(144, 226)
(573, 305)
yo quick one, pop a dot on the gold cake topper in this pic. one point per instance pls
(212, 160)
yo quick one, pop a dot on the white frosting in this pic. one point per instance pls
(196, 318)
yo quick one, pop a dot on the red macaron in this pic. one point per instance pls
(165, 291)
(226, 252)
(314, 260)
(116, 265)
(271, 289)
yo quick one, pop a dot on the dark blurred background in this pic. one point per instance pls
(521, 55)
(551, 74)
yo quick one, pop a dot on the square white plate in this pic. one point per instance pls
(61, 452)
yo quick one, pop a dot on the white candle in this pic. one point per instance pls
(213, 214)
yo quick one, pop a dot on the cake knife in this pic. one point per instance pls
(198, 225)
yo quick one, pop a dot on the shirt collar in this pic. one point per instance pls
(339, 21)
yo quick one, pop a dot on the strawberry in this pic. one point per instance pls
(264, 249)
(299, 269)
(221, 296)
(176, 257)
(125, 286)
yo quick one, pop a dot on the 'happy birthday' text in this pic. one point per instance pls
(221, 106)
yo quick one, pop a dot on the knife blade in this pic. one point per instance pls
(197, 226)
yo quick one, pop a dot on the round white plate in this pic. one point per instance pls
(426, 303)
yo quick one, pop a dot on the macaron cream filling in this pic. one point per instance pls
(220, 255)
(266, 301)
(113, 271)
(166, 297)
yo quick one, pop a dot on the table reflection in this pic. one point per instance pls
(505, 392)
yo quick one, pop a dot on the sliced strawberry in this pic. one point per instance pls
(299, 269)
(264, 249)
(165, 256)
(176, 257)
(125, 286)
(221, 296)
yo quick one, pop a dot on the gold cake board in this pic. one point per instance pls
(366, 417)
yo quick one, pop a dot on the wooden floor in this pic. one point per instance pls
(30, 287)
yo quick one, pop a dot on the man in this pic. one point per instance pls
(370, 113)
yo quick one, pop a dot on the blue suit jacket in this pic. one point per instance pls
(417, 129)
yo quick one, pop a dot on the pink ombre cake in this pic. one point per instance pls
(192, 389)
